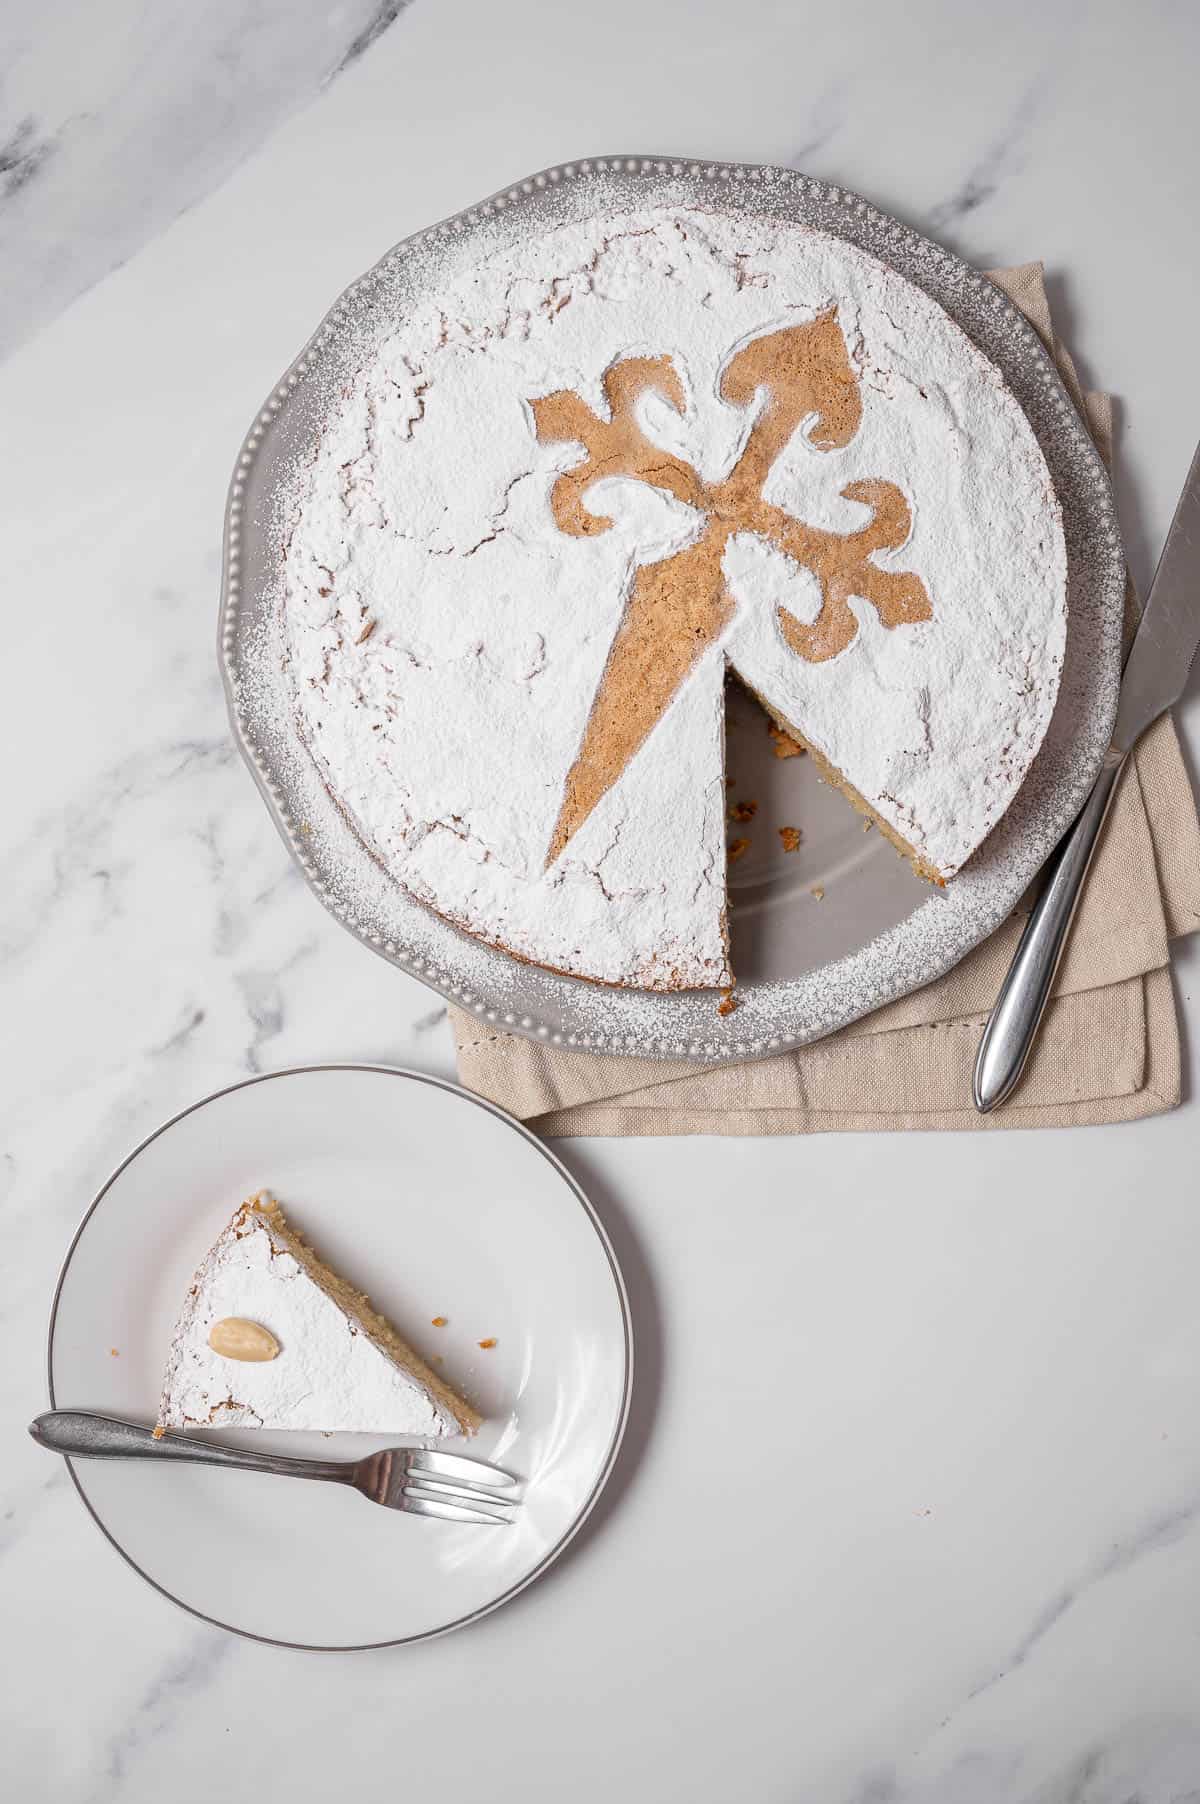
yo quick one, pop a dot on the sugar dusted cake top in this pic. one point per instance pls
(338, 1366)
(607, 462)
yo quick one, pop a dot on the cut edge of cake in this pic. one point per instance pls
(356, 1305)
(833, 776)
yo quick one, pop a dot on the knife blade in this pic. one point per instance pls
(1155, 675)
(1156, 670)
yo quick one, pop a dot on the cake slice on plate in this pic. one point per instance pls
(269, 1337)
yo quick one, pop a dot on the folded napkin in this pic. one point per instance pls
(1109, 1044)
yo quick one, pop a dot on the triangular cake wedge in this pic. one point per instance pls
(302, 1348)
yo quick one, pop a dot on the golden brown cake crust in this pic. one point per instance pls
(357, 1306)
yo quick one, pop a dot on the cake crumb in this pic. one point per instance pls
(791, 837)
(817, 893)
(727, 1003)
(736, 849)
(159, 1432)
(439, 1321)
(114, 1353)
(743, 811)
(490, 1342)
(783, 745)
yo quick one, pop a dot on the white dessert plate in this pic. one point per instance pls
(806, 965)
(437, 1204)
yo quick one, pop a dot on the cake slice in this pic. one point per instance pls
(269, 1337)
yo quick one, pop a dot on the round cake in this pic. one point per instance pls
(607, 464)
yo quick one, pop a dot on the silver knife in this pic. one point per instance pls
(1154, 677)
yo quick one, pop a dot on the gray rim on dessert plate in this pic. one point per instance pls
(506, 995)
(622, 1414)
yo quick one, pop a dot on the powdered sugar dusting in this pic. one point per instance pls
(359, 890)
(446, 639)
(329, 1375)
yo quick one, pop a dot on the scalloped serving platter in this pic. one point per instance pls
(821, 936)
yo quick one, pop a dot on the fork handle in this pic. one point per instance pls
(1013, 1023)
(85, 1436)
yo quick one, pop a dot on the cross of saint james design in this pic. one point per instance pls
(679, 605)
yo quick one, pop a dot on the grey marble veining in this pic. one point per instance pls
(977, 1579)
(1000, 158)
(113, 123)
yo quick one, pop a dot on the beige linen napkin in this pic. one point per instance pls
(1109, 1045)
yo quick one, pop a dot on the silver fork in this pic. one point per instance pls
(443, 1485)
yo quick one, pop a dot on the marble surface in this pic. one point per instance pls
(972, 1575)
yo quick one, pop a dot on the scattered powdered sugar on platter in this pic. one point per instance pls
(278, 461)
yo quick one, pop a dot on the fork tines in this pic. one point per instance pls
(454, 1502)
(417, 1503)
(454, 1489)
(475, 1473)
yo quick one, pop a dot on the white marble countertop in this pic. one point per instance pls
(978, 1581)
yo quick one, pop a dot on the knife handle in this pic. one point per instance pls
(1013, 1023)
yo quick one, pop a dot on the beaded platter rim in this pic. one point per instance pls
(505, 994)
